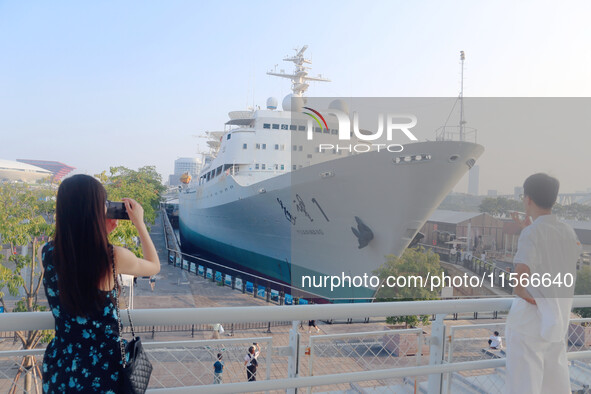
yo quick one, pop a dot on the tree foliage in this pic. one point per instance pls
(414, 262)
(499, 206)
(583, 287)
(574, 211)
(144, 186)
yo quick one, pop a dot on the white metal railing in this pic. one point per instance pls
(436, 369)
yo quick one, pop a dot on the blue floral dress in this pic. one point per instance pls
(85, 355)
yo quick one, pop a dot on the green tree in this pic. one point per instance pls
(499, 206)
(26, 214)
(414, 262)
(583, 287)
(145, 186)
(574, 211)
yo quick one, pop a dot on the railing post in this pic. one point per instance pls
(294, 354)
(268, 294)
(281, 297)
(436, 343)
(233, 282)
(255, 289)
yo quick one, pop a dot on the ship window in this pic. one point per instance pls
(276, 146)
(229, 136)
(293, 167)
(275, 126)
(276, 166)
(326, 131)
(256, 166)
(258, 146)
(293, 127)
(309, 156)
(284, 127)
(218, 170)
(301, 148)
(295, 147)
(300, 166)
(262, 166)
(266, 125)
(282, 167)
(244, 146)
(334, 131)
(318, 129)
(282, 147)
(264, 146)
(301, 128)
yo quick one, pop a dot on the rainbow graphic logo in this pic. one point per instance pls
(316, 118)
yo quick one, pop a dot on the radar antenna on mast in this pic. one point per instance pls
(300, 75)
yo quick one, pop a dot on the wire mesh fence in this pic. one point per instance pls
(364, 351)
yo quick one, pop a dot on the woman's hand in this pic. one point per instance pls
(135, 211)
(111, 225)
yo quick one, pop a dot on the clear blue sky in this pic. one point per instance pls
(96, 84)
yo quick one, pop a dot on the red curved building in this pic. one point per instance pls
(59, 170)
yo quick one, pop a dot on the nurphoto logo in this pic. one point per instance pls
(390, 122)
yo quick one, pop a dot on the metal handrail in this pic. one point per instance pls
(321, 380)
(148, 317)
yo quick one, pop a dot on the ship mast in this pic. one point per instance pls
(462, 122)
(300, 75)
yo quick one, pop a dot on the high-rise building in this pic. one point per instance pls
(473, 180)
(492, 193)
(59, 170)
(190, 165)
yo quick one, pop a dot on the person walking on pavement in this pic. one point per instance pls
(251, 362)
(218, 368)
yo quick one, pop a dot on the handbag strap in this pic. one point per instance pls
(119, 325)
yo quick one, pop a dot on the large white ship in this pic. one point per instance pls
(273, 206)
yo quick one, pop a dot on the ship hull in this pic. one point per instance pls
(299, 224)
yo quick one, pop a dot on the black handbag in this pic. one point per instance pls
(136, 373)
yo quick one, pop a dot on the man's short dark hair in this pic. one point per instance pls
(219, 356)
(542, 189)
(496, 333)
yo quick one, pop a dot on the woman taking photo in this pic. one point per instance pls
(85, 355)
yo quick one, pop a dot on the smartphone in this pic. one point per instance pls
(116, 210)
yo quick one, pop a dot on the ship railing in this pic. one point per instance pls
(428, 358)
(453, 133)
(237, 279)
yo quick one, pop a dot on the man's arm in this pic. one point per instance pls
(522, 271)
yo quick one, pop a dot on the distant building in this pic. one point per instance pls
(473, 180)
(492, 193)
(486, 231)
(13, 171)
(183, 165)
(59, 170)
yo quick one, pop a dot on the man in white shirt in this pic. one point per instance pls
(538, 319)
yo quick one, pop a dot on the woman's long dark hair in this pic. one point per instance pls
(82, 252)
